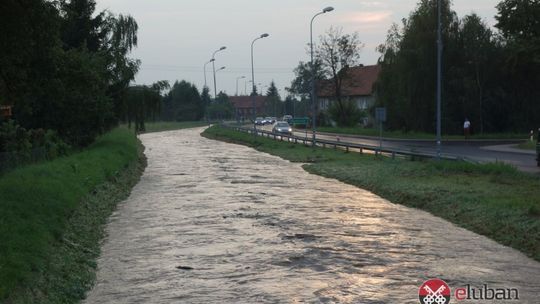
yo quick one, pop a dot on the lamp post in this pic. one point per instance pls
(253, 83)
(214, 68)
(439, 59)
(220, 69)
(211, 60)
(313, 97)
(237, 78)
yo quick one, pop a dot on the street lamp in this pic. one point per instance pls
(214, 68)
(313, 97)
(253, 82)
(211, 60)
(220, 69)
(237, 78)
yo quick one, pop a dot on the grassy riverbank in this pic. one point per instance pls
(416, 135)
(527, 145)
(492, 199)
(52, 216)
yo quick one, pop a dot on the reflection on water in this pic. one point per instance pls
(212, 222)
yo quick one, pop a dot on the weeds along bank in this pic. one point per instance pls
(494, 200)
(52, 216)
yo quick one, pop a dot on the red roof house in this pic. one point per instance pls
(243, 106)
(357, 85)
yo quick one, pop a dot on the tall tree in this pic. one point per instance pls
(80, 28)
(519, 23)
(406, 86)
(273, 100)
(338, 52)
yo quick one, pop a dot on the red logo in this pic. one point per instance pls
(434, 291)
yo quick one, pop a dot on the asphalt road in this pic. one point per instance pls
(475, 150)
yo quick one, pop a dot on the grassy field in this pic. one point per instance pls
(494, 200)
(416, 135)
(52, 216)
(527, 145)
(159, 126)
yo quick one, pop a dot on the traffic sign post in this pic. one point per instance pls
(380, 117)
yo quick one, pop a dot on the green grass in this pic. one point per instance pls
(527, 145)
(51, 214)
(416, 135)
(159, 126)
(494, 199)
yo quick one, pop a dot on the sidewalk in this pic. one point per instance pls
(509, 149)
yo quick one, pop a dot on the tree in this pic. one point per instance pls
(519, 24)
(477, 48)
(183, 103)
(144, 102)
(221, 108)
(273, 100)
(338, 52)
(79, 27)
(301, 84)
(406, 85)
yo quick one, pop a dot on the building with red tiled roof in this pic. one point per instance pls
(243, 106)
(358, 86)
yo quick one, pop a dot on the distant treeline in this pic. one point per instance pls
(490, 77)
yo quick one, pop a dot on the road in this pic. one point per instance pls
(212, 222)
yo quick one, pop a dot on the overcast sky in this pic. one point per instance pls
(177, 37)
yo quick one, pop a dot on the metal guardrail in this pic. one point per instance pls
(347, 146)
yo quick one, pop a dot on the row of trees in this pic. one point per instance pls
(184, 102)
(489, 77)
(65, 67)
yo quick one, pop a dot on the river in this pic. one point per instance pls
(212, 222)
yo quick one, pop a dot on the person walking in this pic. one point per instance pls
(467, 128)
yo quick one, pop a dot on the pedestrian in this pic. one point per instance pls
(467, 128)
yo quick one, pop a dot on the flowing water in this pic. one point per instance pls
(212, 222)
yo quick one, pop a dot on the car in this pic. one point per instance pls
(287, 118)
(282, 127)
(269, 120)
(259, 121)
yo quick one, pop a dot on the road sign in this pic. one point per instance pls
(300, 121)
(380, 114)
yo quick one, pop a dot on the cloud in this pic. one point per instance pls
(368, 19)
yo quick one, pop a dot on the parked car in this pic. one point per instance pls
(282, 127)
(259, 121)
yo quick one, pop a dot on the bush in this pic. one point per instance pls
(346, 116)
(19, 146)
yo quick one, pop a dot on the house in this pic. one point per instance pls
(243, 106)
(357, 86)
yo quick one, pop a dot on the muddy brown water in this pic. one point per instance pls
(212, 222)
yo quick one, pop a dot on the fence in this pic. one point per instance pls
(347, 146)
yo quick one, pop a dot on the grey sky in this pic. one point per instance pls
(176, 37)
